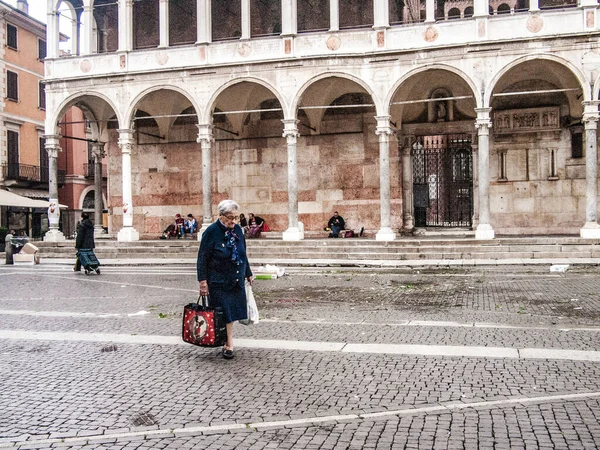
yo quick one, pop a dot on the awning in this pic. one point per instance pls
(31, 193)
(10, 199)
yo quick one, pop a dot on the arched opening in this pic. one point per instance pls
(537, 151)
(106, 17)
(226, 19)
(356, 13)
(146, 24)
(435, 111)
(313, 15)
(182, 22)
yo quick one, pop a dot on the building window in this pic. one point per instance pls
(12, 147)
(41, 49)
(11, 36)
(553, 161)
(44, 163)
(42, 93)
(577, 142)
(502, 166)
(12, 85)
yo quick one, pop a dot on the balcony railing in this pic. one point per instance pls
(32, 174)
(88, 170)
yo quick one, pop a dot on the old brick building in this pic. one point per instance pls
(399, 114)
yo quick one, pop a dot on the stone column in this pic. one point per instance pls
(591, 229)
(246, 29)
(53, 148)
(334, 15)
(381, 14)
(204, 21)
(429, 11)
(163, 23)
(52, 34)
(127, 233)
(475, 219)
(483, 124)
(534, 5)
(125, 25)
(384, 131)
(290, 132)
(289, 17)
(88, 30)
(481, 13)
(408, 217)
(205, 139)
(98, 154)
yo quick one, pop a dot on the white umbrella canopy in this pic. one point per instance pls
(10, 199)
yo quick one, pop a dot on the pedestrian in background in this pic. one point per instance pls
(85, 238)
(222, 266)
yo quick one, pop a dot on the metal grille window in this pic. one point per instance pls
(12, 85)
(443, 181)
(11, 36)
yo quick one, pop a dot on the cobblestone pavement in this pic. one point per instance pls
(90, 386)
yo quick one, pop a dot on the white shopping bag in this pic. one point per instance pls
(252, 309)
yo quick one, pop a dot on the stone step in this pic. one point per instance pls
(351, 249)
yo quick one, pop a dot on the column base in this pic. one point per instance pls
(202, 230)
(54, 235)
(484, 231)
(128, 234)
(385, 234)
(293, 234)
(591, 230)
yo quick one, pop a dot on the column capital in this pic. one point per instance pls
(98, 149)
(125, 141)
(290, 128)
(483, 122)
(205, 134)
(383, 125)
(590, 114)
(52, 145)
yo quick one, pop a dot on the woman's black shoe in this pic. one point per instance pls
(227, 354)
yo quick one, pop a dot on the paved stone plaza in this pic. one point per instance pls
(501, 357)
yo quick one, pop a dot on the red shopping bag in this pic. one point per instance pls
(203, 326)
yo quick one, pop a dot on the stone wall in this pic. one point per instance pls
(335, 172)
(530, 200)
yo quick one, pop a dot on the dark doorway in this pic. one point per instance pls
(443, 181)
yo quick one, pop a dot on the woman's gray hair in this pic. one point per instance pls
(226, 206)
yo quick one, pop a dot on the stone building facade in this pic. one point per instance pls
(397, 114)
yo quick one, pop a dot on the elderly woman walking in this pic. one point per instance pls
(222, 267)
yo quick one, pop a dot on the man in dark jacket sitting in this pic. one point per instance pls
(85, 237)
(336, 224)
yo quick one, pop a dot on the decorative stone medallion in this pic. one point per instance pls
(244, 49)
(535, 23)
(85, 66)
(333, 43)
(162, 58)
(431, 34)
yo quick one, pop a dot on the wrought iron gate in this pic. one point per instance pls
(443, 181)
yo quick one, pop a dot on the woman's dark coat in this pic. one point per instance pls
(214, 258)
(85, 235)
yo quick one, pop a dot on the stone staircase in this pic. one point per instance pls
(352, 250)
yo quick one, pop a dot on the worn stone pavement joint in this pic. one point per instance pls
(306, 422)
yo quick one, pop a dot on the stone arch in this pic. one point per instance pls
(467, 89)
(579, 76)
(292, 113)
(96, 104)
(212, 100)
(85, 192)
(130, 113)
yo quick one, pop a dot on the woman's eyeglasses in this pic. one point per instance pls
(230, 217)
